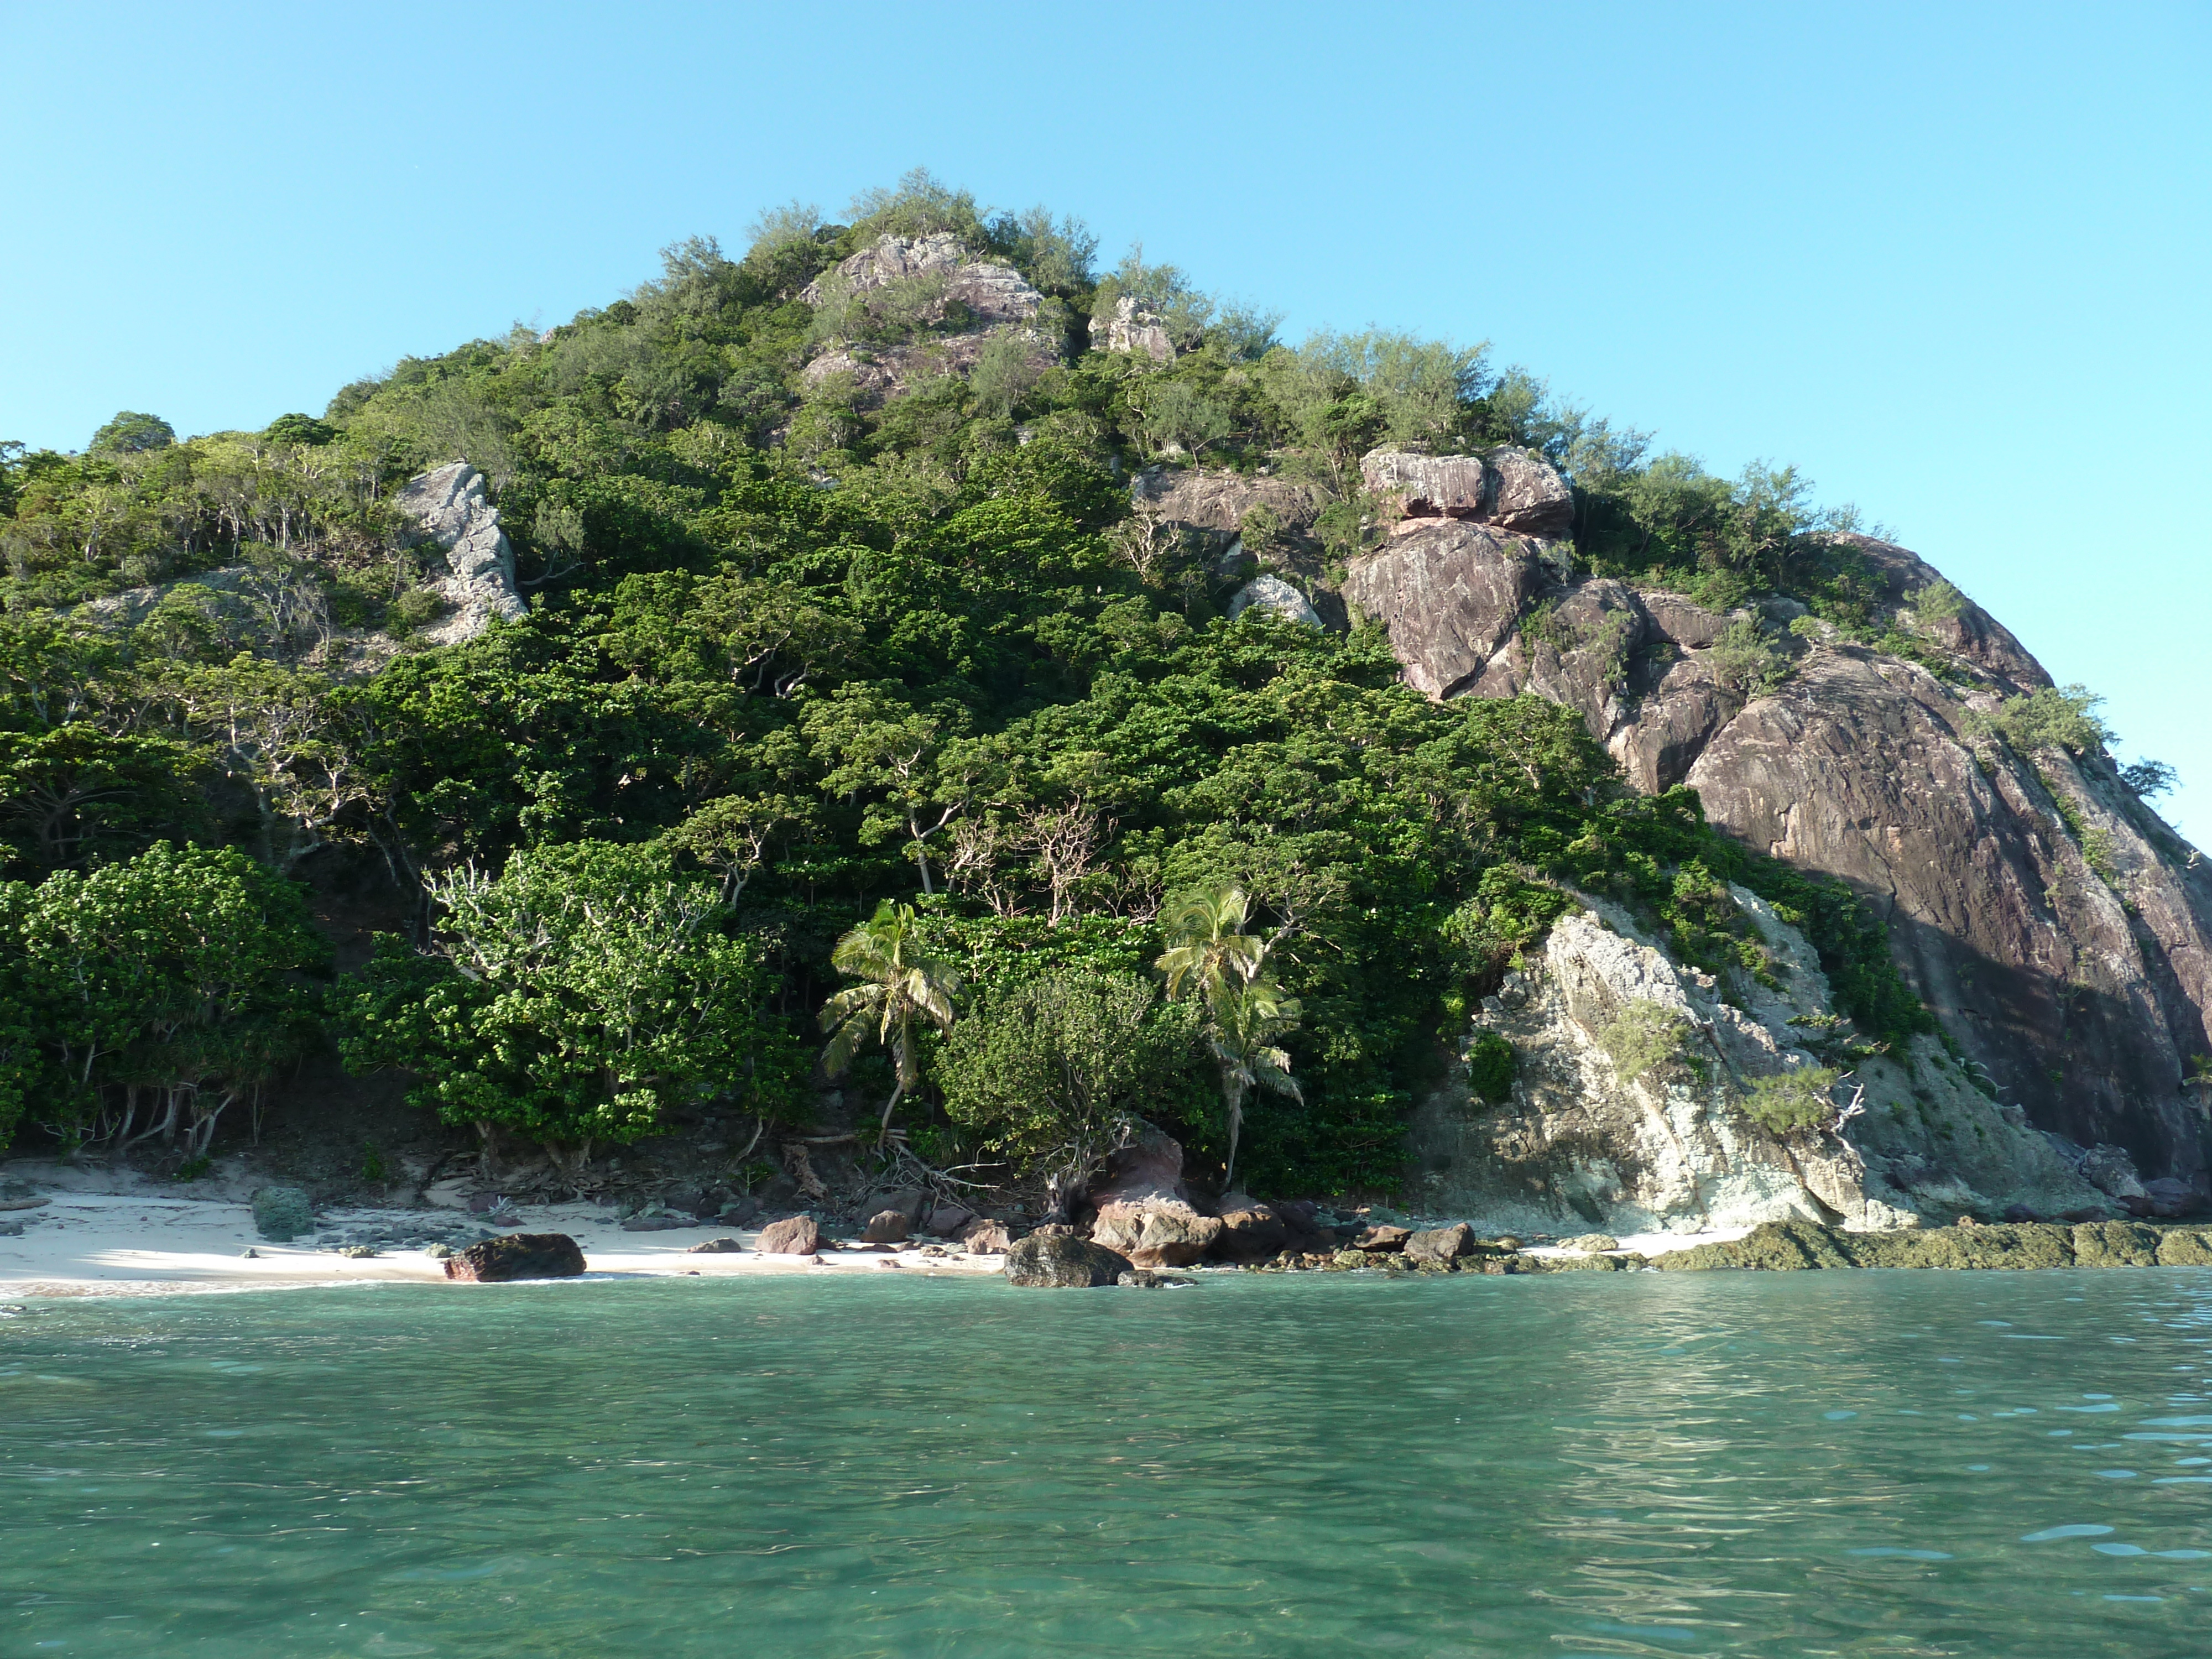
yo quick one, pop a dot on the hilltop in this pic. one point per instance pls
(522, 734)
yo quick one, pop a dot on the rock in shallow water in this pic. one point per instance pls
(518, 1255)
(1054, 1258)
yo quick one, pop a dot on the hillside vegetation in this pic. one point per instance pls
(804, 653)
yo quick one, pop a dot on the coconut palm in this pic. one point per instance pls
(1242, 1020)
(1211, 956)
(900, 983)
(1208, 945)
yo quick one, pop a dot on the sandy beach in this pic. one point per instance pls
(93, 1243)
(93, 1232)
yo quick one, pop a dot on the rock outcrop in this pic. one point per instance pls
(962, 305)
(2059, 930)
(1139, 1207)
(1670, 1145)
(449, 509)
(1130, 327)
(991, 292)
(1270, 594)
(1506, 488)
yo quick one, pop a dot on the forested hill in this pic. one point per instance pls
(837, 594)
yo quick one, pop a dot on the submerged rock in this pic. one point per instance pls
(518, 1255)
(1056, 1258)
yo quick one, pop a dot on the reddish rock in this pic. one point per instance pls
(1381, 1241)
(1250, 1231)
(1155, 1232)
(517, 1256)
(981, 1238)
(886, 1227)
(798, 1235)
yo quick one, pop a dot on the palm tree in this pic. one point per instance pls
(1243, 1021)
(1210, 955)
(1206, 941)
(900, 983)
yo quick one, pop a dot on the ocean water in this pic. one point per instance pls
(1870, 1463)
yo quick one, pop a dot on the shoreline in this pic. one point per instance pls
(93, 1243)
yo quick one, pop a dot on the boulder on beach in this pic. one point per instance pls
(1441, 1243)
(796, 1234)
(887, 1227)
(1058, 1258)
(517, 1256)
(716, 1247)
(986, 1238)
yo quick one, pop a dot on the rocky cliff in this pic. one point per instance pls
(2059, 931)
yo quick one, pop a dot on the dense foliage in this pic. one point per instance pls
(791, 655)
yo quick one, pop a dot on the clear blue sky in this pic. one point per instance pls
(1951, 260)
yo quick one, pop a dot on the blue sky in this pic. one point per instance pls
(1951, 261)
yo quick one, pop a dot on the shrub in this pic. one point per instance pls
(1937, 602)
(1742, 661)
(2056, 717)
(1792, 1100)
(1492, 1065)
(1644, 1035)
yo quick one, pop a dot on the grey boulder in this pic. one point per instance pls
(1058, 1258)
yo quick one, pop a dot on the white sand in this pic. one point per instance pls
(81, 1243)
(117, 1233)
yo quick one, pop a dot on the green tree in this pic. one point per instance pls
(902, 984)
(175, 977)
(575, 999)
(1053, 1071)
(133, 433)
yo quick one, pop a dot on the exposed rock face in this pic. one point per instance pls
(992, 292)
(1130, 327)
(1250, 1231)
(1271, 593)
(1450, 593)
(2060, 931)
(967, 303)
(518, 1255)
(449, 508)
(1506, 488)
(1056, 1258)
(1672, 1149)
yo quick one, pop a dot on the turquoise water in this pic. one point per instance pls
(1637, 1464)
